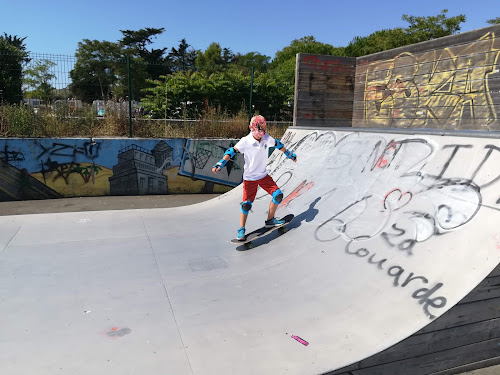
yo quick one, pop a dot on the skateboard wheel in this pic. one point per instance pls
(249, 245)
(283, 230)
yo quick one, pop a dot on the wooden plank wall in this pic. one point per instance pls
(448, 83)
(324, 90)
(466, 337)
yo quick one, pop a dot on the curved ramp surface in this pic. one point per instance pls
(390, 231)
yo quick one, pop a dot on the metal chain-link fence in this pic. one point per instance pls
(47, 95)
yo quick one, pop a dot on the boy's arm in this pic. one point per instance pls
(289, 154)
(230, 152)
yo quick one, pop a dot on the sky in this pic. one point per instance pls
(56, 27)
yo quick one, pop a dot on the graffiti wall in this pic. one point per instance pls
(201, 154)
(450, 83)
(54, 168)
(447, 83)
(391, 201)
(407, 220)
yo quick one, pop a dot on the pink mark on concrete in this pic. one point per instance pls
(301, 189)
(303, 342)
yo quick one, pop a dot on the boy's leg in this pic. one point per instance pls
(249, 193)
(268, 184)
(272, 210)
(243, 219)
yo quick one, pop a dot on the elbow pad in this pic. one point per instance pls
(279, 144)
(230, 151)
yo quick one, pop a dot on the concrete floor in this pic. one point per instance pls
(81, 204)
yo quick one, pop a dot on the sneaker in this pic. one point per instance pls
(241, 234)
(274, 223)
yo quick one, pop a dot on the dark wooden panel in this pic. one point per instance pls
(495, 272)
(434, 362)
(326, 96)
(327, 69)
(428, 343)
(439, 43)
(322, 122)
(326, 105)
(326, 64)
(489, 288)
(332, 66)
(323, 113)
(467, 313)
(326, 87)
(469, 367)
(322, 82)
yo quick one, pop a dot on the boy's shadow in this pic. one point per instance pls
(307, 216)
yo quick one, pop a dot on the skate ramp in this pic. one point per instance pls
(390, 231)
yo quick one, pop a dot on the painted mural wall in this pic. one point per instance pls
(56, 168)
(450, 83)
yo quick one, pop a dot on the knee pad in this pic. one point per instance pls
(277, 196)
(246, 206)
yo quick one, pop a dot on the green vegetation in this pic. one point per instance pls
(173, 86)
(12, 56)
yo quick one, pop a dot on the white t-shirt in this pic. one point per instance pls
(256, 155)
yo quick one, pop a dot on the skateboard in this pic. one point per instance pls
(262, 232)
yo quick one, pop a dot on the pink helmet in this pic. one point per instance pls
(258, 125)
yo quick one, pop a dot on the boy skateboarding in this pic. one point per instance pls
(255, 147)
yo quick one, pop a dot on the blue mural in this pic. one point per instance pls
(51, 168)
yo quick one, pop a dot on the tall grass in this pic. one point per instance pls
(26, 121)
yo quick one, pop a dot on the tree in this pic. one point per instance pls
(306, 44)
(37, 79)
(494, 21)
(426, 28)
(13, 55)
(378, 41)
(259, 62)
(227, 57)
(183, 58)
(212, 60)
(94, 74)
(420, 29)
(135, 43)
(272, 98)
(138, 40)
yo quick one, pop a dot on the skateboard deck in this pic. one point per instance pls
(262, 232)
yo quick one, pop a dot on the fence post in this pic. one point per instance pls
(129, 98)
(251, 91)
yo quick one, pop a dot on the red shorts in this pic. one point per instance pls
(250, 187)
